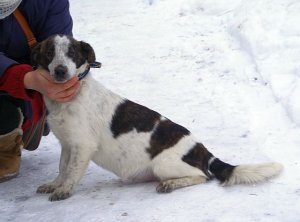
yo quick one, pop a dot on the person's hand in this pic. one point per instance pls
(41, 81)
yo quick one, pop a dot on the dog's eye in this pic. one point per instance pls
(50, 53)
(71, 52)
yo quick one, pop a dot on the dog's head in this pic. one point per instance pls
(62, 56)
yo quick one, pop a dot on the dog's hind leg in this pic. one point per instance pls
(174, 173)
(79, 158)
(51, 186)
(169, 185)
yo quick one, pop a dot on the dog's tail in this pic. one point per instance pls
(242, 174)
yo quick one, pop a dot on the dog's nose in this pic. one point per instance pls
(60, 71)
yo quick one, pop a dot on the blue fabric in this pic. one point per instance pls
(5, 62)
(45, 18)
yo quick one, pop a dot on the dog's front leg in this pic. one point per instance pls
(64, 160)
(79, 159)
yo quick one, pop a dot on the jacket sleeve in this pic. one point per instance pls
(12, 82)
(46, 18)
(57, 21)
(5, 63)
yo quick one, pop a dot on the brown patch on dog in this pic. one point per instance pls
(166, 135)
(43, 53)
(222, 171)
(198, 157)
(80, 52)
(129, 116)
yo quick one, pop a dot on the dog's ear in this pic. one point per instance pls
(35, 54)
(88, 52)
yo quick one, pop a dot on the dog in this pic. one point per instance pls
(128, 139)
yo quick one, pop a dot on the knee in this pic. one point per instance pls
(10, 116)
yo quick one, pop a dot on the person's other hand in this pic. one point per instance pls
(41, 81)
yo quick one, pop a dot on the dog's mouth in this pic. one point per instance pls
(58, 79)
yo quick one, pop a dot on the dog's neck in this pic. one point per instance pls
(83, 70)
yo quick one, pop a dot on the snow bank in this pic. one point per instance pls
(268, 32)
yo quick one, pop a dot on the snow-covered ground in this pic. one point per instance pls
(228, 70)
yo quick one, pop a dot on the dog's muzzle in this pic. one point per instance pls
(61, 73)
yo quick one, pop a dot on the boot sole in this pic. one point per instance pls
(8, 177)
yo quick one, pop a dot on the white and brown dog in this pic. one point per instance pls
(128, 139)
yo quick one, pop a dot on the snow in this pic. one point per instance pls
(226, 70)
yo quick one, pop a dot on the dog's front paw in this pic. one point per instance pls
(60, 194)
(46, 188)
(165, 187)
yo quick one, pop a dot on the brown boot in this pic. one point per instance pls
(10, 154)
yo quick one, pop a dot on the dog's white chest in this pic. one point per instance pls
(87, 119)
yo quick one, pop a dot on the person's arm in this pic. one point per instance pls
(21, 81)
(12, 81)
(40, 80)
(12, 75)
(57, 21)
(5, 63)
